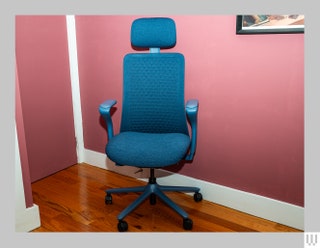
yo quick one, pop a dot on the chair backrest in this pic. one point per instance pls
(153, 83)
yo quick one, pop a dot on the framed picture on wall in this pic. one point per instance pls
(269, 24)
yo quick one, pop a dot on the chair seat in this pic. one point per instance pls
(147, 150)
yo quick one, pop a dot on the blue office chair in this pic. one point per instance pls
(154, 130)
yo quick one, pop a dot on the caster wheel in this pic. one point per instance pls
(122, 226)
(197, 197)
(153, 199)
(187, 224)
(108, 199)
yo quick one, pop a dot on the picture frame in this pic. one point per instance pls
(269, 24)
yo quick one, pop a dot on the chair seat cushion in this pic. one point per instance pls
(147, 149)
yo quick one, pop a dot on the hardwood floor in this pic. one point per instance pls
(72, 200)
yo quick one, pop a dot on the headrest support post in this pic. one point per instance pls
(154, 50)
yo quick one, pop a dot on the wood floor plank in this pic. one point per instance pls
(72, 200)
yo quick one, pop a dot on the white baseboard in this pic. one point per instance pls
(28, 219)
(260, 206)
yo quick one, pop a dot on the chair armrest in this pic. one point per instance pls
(192, 114)
(104, 110)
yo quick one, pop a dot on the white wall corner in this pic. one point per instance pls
(75, 85)
(26, 219)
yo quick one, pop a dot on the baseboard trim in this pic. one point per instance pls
(260, 206)
(28, 219)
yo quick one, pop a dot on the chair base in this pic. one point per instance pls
(153, 190)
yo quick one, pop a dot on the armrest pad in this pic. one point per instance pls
(192, 105)
(106, 106)
(104, 110)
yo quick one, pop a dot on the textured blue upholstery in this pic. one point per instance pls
(148, 149)
(153, 97)
(153, 112)
(153, 32)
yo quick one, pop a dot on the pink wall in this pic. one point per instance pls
(251, 93)
(45, 92)
(22, 145)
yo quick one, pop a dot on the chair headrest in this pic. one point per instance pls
(154, 32)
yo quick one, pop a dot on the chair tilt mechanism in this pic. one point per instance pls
(154, 129)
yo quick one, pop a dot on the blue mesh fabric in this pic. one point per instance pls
(153, 130)
(153, 94)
